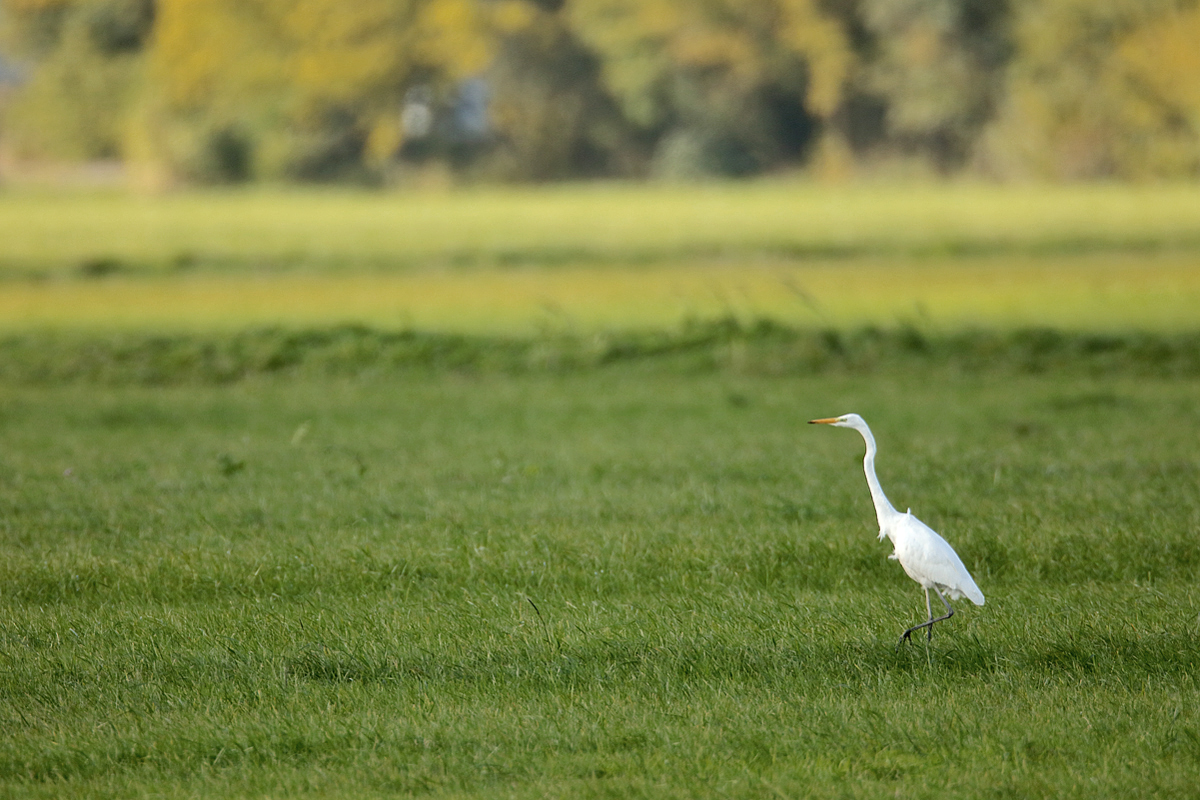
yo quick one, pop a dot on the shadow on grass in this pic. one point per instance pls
(694, 665)
(663, 673)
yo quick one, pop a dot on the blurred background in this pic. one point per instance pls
(160, 93)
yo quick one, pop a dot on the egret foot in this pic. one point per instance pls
(928, 624)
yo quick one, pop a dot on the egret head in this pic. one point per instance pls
(844, 421)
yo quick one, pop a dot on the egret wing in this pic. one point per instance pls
(927, 557)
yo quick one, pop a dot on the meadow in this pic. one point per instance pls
(273, 230)
(603, 559)
(583, 258)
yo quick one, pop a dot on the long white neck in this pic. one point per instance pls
(883, 507)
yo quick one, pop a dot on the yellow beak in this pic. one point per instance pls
(828, 421)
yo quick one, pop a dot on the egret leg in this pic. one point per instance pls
(907, 635)
(929, 623)
(929, 613)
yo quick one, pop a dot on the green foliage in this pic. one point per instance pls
(552, 118)
(723, 87)
(1102, 90)
(33, 28)
(78, 102)
(936, 67)
(119, 26)
(314, 90)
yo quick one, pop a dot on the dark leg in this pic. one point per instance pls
(929, 612)
(929, 623)
(907, 635)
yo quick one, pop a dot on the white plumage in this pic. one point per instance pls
(926, 557)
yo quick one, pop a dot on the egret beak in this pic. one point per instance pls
(828, 421)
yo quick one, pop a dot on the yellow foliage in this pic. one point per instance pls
(806, 30)
(1091, 89)
(452, 35)
(511, 16)
(337, 52)
(1103, 90)
(1164, 57)
(632, 39)
(383, 140)
(742, 41)
(74, 104)
(208, 53)
(319, 53)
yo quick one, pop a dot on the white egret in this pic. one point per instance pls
(927, 558)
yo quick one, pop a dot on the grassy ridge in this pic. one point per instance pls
(628, 580)
(723, 346)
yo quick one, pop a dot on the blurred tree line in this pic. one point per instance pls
(377, 90)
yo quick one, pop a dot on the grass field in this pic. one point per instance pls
(582, 259)
(274, 230)
(634, 581)
(515, 557)
(1104, 292)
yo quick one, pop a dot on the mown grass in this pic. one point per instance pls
(270, 230)
(1098, 293)
(633, 577)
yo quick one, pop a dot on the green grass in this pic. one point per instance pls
(330, 494)
(764, 347)
(643, 579)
